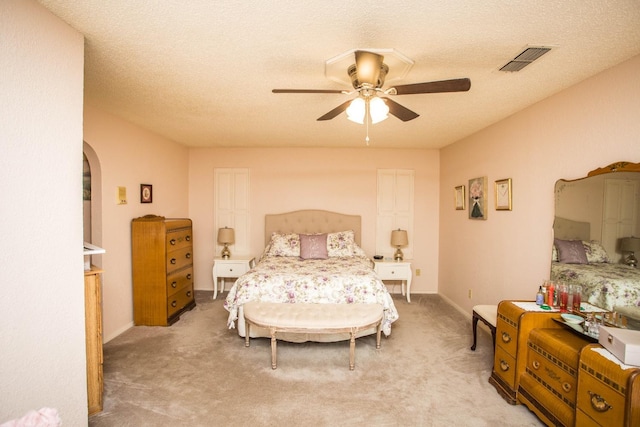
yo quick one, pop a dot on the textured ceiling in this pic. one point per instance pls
(200, 72)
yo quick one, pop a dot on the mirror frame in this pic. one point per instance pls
(616, 167)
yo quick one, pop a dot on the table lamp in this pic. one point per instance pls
(399, 239)
(226, 237)
(631, 245)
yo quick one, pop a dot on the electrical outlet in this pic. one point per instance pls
(469, 293)
(418, 271)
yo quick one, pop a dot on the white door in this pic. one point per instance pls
(232, 207)
(619, 210)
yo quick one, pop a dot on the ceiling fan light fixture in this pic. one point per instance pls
(357, 110)
(378, 110)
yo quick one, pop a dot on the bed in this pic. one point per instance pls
(295, 268)
(604, 284)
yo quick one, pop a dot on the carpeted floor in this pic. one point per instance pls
(198, 373)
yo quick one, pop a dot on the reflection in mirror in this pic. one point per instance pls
(600, 210)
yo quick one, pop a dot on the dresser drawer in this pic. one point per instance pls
(544, 403)
(506, 336)
(179, 300)
(177, 239)
(179, 258)
(231, 269)
(600, 402)
(504, 366)
(179, 279)
(554, 375)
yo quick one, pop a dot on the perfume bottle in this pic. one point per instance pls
(540, 296)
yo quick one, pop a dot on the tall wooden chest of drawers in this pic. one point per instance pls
(515, 321)
(550, 381)
(162, 258)
(608, 392)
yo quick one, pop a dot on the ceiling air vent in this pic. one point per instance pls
(525, 58)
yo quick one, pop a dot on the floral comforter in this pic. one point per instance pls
(603, 284)
(292, 280)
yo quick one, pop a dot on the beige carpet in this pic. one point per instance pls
(198, 373)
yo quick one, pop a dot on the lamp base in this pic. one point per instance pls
(398, 256)
(226, 253)
(631, 260)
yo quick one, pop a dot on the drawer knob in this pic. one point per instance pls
(189, 276)
(173, 261)
(188, 255)
(598, 403)
(174, 303)
(188, 238)
(504, 365)
(174, 284)
(566, 387)
(172, 241)
(506, 338)
(189, 294)
(536, 364)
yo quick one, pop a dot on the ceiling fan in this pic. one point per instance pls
(367, 77)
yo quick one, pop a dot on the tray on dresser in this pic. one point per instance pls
(577, 329)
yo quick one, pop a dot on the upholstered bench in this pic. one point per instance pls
(489, 316)
(313, 318)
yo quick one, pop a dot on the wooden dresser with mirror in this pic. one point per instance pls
(566, 379)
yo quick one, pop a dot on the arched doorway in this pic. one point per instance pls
(92, 198)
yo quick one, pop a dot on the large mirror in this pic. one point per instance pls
(602, 211)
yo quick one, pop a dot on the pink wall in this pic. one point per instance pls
(590, 125)
(130, 156)
(42, 333)
(342, 180)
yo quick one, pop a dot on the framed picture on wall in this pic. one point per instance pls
(503, 194)
(146, 193)
(459, 197)
(478, 198)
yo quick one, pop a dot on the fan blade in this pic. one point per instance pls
(455, 85)
(403, 113)
(368, 66)
(309, 91)
(333, 113)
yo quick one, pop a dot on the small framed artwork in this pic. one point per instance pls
(478, 198)
(146, 193)
(503, 194)
(459, 197)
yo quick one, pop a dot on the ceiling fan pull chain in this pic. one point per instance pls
(366, 119)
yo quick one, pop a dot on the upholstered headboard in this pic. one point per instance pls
(568, 229)
(310, 222)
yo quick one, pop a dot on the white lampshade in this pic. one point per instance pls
(378, 110)
(356, 110)
(226, 235)
(399, 238)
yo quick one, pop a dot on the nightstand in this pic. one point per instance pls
(230, 268)
(395, 270)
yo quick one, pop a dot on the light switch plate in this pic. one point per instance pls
(121, 196)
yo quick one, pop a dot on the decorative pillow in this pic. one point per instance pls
(595, 252)
(284, 245)
(571, 251)
(340, 243)
(313, 246)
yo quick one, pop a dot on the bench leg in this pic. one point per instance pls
(378, 335)
(352, 351)
(274, 343)
(246, 333)
(474, 326)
